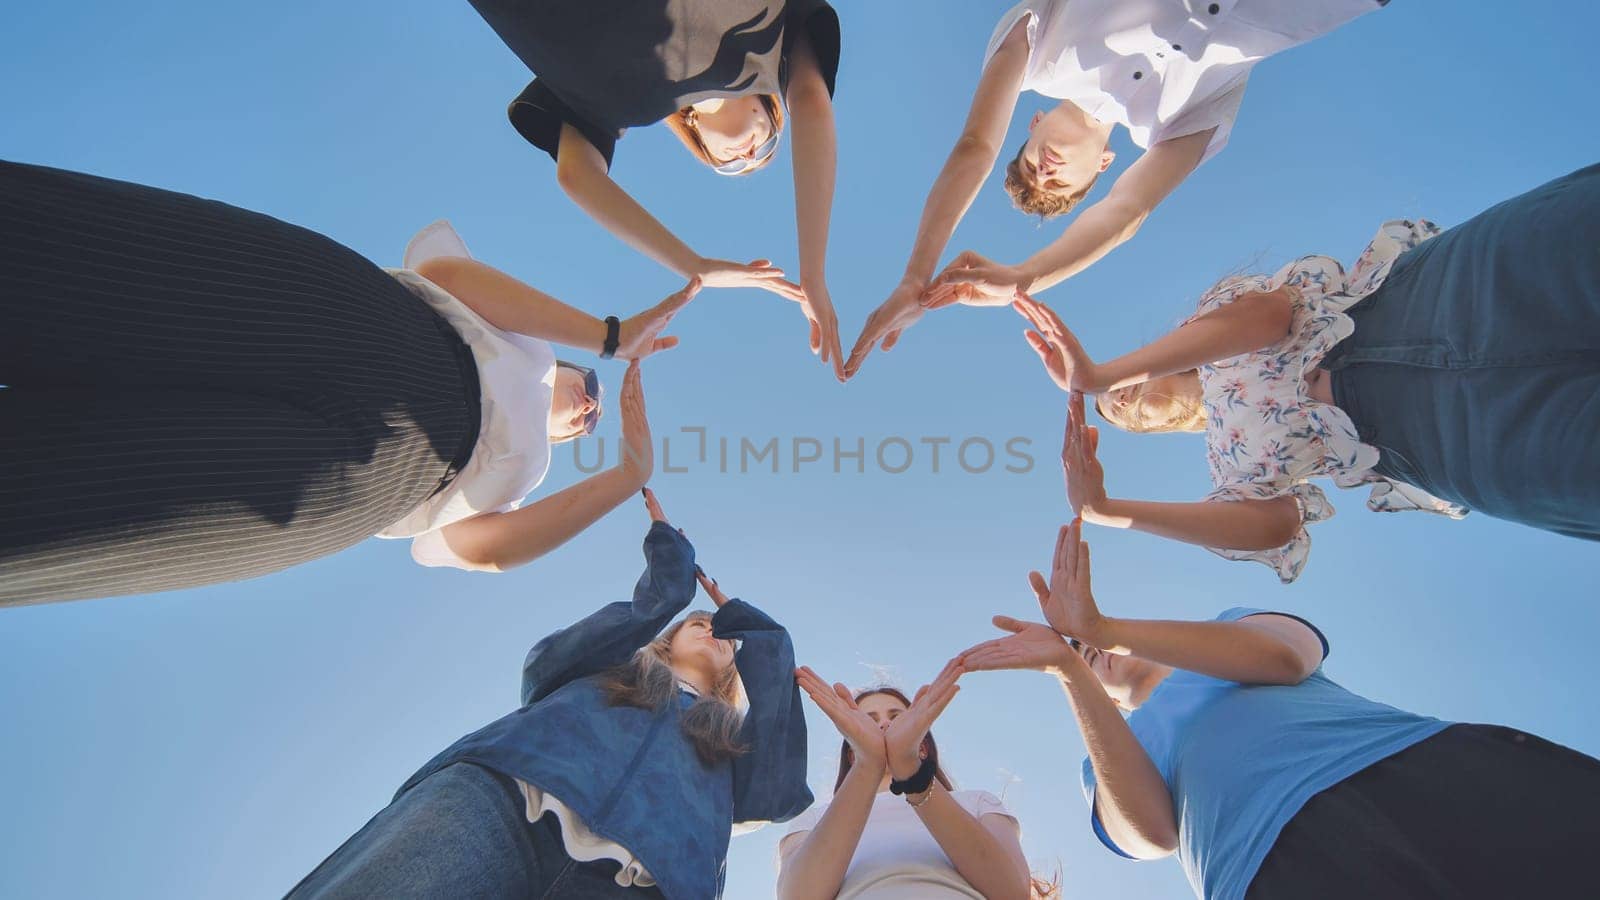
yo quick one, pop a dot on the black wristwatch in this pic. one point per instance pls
(613, 332)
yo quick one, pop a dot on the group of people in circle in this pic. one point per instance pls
(196, 393)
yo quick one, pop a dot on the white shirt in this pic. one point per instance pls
(897, 858)
(516, 378)
(1162, 68)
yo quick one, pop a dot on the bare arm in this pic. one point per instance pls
(816, 153)
(1259, 649)
(1109, 222)
(813, 864)
(1250, 323)
(1225, 524)
(510, 305)
(581, 172)
(974, 154)
(987, 852)
(497, 541)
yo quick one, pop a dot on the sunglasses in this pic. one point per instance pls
(591, 390)
(745, 164)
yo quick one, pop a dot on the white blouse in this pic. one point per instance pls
(897, 858)
(1265, 435)
(1162, 68)
(516, 377)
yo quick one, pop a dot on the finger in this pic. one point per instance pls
(666, 343)
(890, 339)
(1063, 542)
(816, 337)
(1094, 439)
(937, 704)
(1082, 575)
(760, 263)
(1006, 623)
(1041, 588)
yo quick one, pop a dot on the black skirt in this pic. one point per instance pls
(196, 393)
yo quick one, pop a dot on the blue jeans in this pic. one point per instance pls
(461, 833)
(1475, 367)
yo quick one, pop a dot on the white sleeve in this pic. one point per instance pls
(1217, 112)
(1008, 22)
(983, 803)
(429, 548)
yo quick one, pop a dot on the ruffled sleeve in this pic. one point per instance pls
(1289, 559)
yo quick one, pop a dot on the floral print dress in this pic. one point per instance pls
(1265, 436)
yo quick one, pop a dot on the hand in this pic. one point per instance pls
(902, 740)
(1063, 357)
(653, 507)
(984, 283)
(897, 313)
(1086, 480)
(1067, 601)
(1029, 646)
(818, 307)
(639, 335)
(863, 734)
(758, 273)
(710, 586)
(638, 456)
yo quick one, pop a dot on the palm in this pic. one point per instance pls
(1058, 348)
(900, 311)
(856, 727)
(818, 309)
(1080, 466)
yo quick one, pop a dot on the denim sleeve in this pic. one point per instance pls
(609, 636)
(769, 778)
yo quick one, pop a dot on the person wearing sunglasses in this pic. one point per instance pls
(1171, 72)
(196, 393)
(1269, 780)
(724, 78)
(1446, 371)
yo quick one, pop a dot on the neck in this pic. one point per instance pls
(700, 681)
(1146, 683)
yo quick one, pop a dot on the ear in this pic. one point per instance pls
(1034, 122)
(1106, 159)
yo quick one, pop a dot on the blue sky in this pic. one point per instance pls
(221, 741)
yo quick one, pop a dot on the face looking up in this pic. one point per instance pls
(570, 404)
(695, 650)
(732, 129)
(1065, 151)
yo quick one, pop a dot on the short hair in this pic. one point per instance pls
(678, 124)
(1034, 200)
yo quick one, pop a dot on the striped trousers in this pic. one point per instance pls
(195, 393)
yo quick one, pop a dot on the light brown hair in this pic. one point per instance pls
(1029, 197)
(647, 682)
(678, 124)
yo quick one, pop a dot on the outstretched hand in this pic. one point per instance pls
(883, 328)
(1029, 645)
(1085, 478)
(638, 454)
(640, 335)
(981, 281)
(817, 305)
(858, 729)
(903, 738)
(1067, 599)
(758, 273)
(1063, 356)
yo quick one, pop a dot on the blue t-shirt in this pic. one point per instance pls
(1240, 760)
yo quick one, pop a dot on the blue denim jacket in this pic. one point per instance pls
(630, 773)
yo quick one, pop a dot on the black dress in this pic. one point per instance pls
(606, 65)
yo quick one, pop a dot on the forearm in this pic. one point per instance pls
(591, 187)
(1227, 525)
(500, 541)
(815, 168)
(948, 200)
(1231, 651)
(1131, 797)
(815, 869)
(510, 305)
(1095, 232)
(975, 851)
(1246, 325)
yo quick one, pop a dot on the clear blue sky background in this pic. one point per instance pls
(219, 742)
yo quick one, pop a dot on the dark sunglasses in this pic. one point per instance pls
(591, 390)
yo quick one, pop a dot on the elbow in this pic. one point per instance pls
(441, 270)
(571, 177)
(972, 149)
(1288, 667)
(1274, 315)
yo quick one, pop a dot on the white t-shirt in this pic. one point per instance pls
(897, 858)
(1162, 68)
(516, 378)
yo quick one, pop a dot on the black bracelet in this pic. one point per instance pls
(613, 332)
(917, 783)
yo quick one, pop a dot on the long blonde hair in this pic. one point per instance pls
(679, 124)
(1187, 415)
(647, 682)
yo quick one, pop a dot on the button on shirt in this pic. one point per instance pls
(1162, 69)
